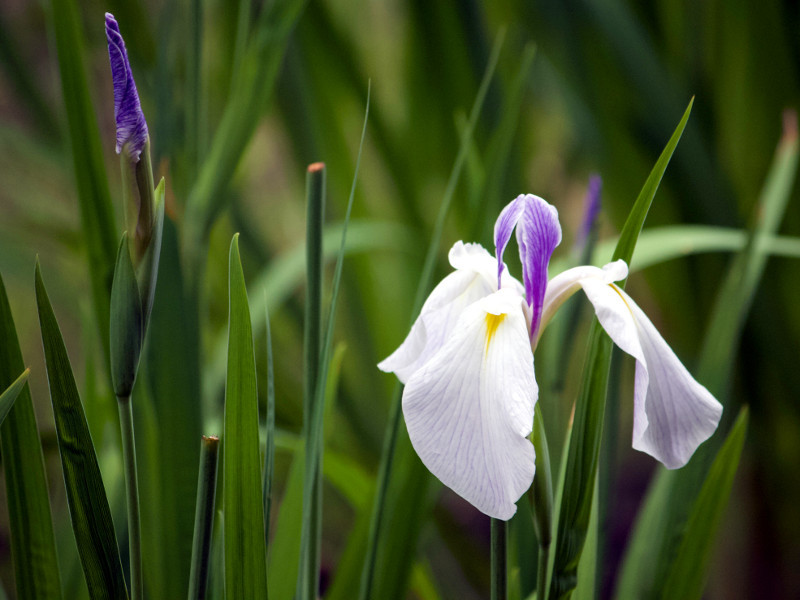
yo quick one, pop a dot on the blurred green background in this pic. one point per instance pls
(609, 81)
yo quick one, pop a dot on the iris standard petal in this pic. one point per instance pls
(672, 413)
(131, 125)
(472, 280)
(469, 409)
(503, 228)
(538, 234)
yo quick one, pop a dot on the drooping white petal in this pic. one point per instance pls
(677, 414)
(673, 414)
(474, 278)
(470, 407)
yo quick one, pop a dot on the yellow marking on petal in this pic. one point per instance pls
(616, 289)
(492, 323)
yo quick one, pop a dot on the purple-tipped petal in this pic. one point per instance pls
(131, 125)
(538, 234)
(591, 209)
(503, 228)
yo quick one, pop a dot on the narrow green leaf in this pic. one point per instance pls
(204, 518)
(413, 478)
(662, 244)
(662, 518)
(33, 544)
(287, 272)
(587, 430)
(86, 495)
(686, 578)
(269, 452)
(308, 576)
(126, 323)
(97, 215)
(245, 547)
(587, 569)
(8, 397)
(173, 377)
(285, 548)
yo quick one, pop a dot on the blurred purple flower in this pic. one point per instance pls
(591, 210)
(131, 125)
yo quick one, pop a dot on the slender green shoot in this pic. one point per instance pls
(204, 517)
(499, 559)
(132, 492)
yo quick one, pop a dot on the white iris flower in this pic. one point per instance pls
(467, 364)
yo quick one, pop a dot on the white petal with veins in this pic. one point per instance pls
(673, 414)
(475, 278)
(469, 409)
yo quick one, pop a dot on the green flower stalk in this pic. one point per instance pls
(136, 270)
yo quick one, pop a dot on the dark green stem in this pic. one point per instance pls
(308, 582)
(204, 517)
(132, 489)
(541, 494)
(499, 550)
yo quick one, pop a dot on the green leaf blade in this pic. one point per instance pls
(88, 504)
(33, 544)
(245, 547)
(659, 527)
(8, 397)
(587, 430)
(686, 577)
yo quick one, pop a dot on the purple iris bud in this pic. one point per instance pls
(131, 125)
(591, 209)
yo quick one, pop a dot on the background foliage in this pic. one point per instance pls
(286, 84)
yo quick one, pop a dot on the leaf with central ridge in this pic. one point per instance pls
(32, 541)
(245, 547)
(86, 495)
(587, 430)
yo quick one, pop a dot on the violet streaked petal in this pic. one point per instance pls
(469, 409)
(538, 234)
(131, 125)
(503, 228)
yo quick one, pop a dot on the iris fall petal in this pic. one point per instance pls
(469, 409)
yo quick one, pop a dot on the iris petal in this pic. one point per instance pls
(472, 280)
(672, 414)
(538, 234)
(131, 125)
(470, 407)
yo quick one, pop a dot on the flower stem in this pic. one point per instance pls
(132, 489)
(499, 549)
(204, 517)
(541, 494)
